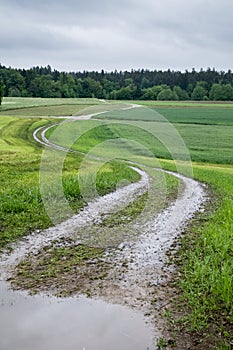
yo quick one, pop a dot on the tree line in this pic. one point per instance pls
(141, 84)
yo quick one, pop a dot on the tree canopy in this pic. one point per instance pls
(1, 91)
(136, 84)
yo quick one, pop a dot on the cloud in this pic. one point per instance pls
(77, 35)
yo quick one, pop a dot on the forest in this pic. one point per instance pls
(141, 84)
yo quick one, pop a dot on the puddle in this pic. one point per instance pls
(48, 323)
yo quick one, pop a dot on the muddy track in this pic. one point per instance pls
(89, 215)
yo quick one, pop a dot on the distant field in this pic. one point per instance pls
(185, 104)
(210, 115)
(21, 102)
(211, 141)
(39, 111)
(190, 115)
(44, 106)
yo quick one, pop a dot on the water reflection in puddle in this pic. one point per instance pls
(43, 323)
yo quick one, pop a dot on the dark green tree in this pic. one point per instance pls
(151, 93)
(227, 92)
(139, 84)
(67, 85)
(216, 92)
(1, 91)
(167, 95)
(221, 92)
(95, 88)
(125, 93)
(14, 92)
(199, 93)
(182, 94)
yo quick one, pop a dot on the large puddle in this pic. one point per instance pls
(48, 323)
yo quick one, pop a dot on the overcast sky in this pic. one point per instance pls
(77, 35)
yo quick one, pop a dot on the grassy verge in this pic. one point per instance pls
(206, 266)
(207, 282)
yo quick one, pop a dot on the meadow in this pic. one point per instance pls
(207, 133)
(206, 258)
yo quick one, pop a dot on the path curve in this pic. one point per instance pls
(44, 129)
(146, 256)
(157, 235)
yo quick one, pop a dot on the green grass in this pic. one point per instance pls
(189, 115)
(207, 281)
(206, 259)
(206, 116)
(206, 143)
(16, 134)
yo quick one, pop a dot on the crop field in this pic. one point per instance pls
(208, 138)
(205, 260)
(12, 103)
(44, 106)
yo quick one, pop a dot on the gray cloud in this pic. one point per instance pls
(77, 35)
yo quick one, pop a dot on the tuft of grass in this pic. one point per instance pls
(65, 269)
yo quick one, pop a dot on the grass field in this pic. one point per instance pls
(206, 257)
(191, 115)
(19, 106)
(206, 116)
(207, 141)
